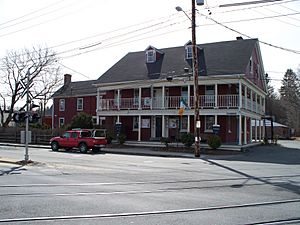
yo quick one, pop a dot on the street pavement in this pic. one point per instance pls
(125, 186)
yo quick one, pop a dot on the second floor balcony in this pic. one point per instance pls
(174, 102)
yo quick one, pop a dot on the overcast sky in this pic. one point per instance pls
(90, 36)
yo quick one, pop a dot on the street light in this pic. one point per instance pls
(195, 75)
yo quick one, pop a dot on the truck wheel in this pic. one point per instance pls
(96, 150)
(83, 148)
(54, 146)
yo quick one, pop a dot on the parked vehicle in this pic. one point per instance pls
(83, 139)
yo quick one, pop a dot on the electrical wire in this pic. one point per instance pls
(263, 42)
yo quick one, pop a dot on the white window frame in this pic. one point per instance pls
(150, 56)
(184, 124)
(62, 105)
(209, 122)
(78, 104)
(135, 123)
(188, 52)
(61, 124)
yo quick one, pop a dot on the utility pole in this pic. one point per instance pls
(196, 87)
(27, 117)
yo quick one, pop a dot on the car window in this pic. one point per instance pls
(85, 134)
(67, 135)
(74, 135)
(99, 133)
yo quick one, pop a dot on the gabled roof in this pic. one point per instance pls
(78, 88)
(221, 58)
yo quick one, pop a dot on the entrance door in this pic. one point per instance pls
(158, 127)
(157, 98)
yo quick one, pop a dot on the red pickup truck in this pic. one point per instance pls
(83, 139)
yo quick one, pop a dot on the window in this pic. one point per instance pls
(61, 122)
(150, 56)
(85, 134)
(67, 135)
(184, 123)
(209, 95)
(184, 94)
(251, 65)
(61, 104)
(79, 104)
(209, 122)
(188, 52)
(74, 135)
(136, 97)
(135, 125)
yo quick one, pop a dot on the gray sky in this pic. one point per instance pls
(92, 35)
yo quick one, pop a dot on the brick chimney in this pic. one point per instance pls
(67, 79)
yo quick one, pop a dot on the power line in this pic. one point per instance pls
(40, 23)
(32, 12)
(74, 70)
(266, 43)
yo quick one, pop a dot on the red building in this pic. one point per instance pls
(144, 91)
(71, 99)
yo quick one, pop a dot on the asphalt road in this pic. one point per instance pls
(260, 186)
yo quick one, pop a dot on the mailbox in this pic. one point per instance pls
(216, 129)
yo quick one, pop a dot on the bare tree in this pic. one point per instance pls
(40, 66)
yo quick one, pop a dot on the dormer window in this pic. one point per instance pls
(188, 52)
(150, 56)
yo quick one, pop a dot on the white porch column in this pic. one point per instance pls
(188, 124)
(140, 130)
(118, 119)
(245, 98)
(216, 96)
(216, 119)
(240, 129)
(260, 131)
(163, 126)
(251, 100)
(240, 95)
(140, 98)
(256, 105)
(163, 97)
(189, 96)
(119, 100)
(255, 130)
(260, 104)
(251, 138)
(245, 130)
(263, 105)
(98, 105)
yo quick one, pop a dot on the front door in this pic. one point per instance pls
(157, 98)
(158, 127)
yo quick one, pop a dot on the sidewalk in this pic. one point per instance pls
(113, 149)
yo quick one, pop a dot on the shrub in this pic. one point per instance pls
(214, 141)
(109, 137)
(165, 141)
(82, 120)
(187, 139)
(122, 139)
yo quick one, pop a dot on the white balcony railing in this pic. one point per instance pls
(173, 102)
